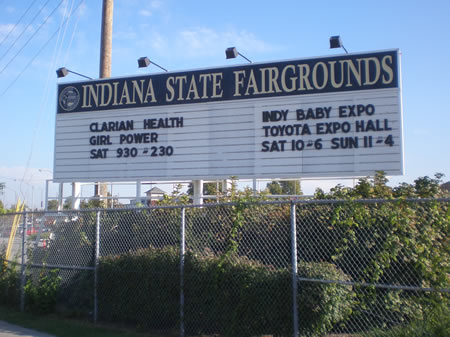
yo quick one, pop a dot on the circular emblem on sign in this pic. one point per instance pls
(69, 98)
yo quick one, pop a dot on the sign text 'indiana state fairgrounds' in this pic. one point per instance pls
(321, 117)
(345, 73)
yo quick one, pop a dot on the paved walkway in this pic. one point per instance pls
(10, 330)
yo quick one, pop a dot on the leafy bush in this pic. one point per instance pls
(237, 278)
(230, 296)
(41, 297)
(9, 284)
(397, 243)
(236, 296)
(76, 298)
(323, 305)
(140, 288)
(435, 323)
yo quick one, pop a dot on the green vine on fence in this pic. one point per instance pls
(238, 222)
(397, 242)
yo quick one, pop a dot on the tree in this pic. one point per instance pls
(13, 208)
(274, 187)
(208, 188)
(423, 187)
(427, 187)
(52, 205)
(376, 188)
(92, 203)
(446, 188)
(68, 203)
(290, 187)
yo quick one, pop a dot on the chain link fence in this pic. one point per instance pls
(298, 268)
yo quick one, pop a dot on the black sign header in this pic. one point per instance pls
(376, 70)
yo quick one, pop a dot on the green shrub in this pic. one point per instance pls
(393, 243)
(9, 284)
(322, 305)
(236, 297)
(227, 296)
(76, 297)
(41, 297)
(140, 288)
(434, 323)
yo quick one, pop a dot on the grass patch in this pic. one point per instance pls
(63, 327)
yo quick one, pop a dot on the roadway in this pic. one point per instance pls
(11, 330)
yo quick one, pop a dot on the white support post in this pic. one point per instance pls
(138, 191)
(46, 195)
(226, 184)
(60, 196)
(198, 191)
(76, 191)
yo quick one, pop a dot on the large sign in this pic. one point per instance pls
(334, 116)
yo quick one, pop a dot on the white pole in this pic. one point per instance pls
(198, 191)
(226, 183)
(138, 191)
(76, 190)
(60, 196)
(46, 195)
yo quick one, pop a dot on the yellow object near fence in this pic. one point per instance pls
(17, 217)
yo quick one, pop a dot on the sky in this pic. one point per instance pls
(39, 36)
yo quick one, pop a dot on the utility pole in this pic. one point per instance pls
(105, 62)
(106, 39)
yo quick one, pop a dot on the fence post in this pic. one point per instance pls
(294, 268)
(182, 254)
(22, 263)
(97, 254)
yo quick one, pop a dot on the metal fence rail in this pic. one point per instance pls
(298, 268)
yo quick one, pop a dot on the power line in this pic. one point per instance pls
(64, 23)
(58, 52)
(32, 36)
(66, 19)
(17, 23)
(39, 51)
(24, 30)
(72, 37)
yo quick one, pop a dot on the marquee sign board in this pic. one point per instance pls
(338, 116)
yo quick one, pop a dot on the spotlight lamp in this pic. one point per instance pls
(232, 53)
(336, 42)
(144, 62)
(63, 72)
